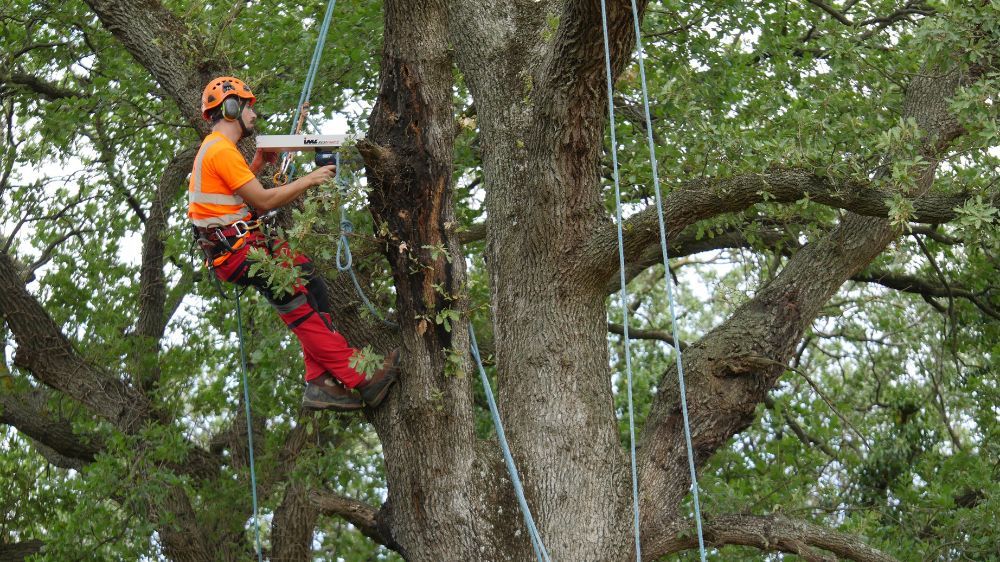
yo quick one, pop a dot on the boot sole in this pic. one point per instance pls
(315, 405)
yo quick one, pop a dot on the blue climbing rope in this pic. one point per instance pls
(666, 278)
(246, 402)
(666, 268)
(314, 63)
(536, 539)
(624, 290)
(307, 86)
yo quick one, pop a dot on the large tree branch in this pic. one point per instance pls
(45, 351)
(775, 533)
(179, 529)
(639, 334)
(912, 8)
(27, 412)
(32, 46)
(165, 46)
(357, 513)
(288, 456)
(690, 242)
(707, 198)
(19, 551)
(61, 446)
(833, 12)
(296, 516)
(28, 273)
(38, 86)
(152, 318)
(293, 524)
(576, 63)
(731, 369)
(918, 286)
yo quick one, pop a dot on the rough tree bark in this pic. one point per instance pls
(436, 484)
(19, 552)
(540, 111)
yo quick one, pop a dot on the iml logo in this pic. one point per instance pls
(316, 141)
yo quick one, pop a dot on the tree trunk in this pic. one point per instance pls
(437, 508)
(541, 109)
(292, 528)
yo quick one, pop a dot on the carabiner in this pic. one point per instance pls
(240, 233)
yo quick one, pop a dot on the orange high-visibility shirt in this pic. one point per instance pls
(219, 170)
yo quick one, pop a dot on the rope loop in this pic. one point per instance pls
(343, 184)
(345, 260)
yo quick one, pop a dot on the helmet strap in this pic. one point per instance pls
(244, 131)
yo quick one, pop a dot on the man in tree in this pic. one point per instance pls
(221, 185)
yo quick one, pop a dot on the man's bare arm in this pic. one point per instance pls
(266, 199)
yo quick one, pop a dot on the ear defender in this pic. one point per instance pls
(231, 108)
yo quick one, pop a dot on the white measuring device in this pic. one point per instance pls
(298, 143)
(325, 146)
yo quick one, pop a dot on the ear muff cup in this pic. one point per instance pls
(231, 108)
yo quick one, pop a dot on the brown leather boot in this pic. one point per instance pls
(375, 389)
(325, 393)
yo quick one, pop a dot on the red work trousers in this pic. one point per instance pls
(306, 311)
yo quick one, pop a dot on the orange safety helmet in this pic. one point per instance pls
(221, 88)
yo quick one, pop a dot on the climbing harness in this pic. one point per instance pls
(215, 242)
(666, 271)
(536, 539)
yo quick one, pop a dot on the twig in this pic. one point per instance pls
(834, 13)
(829, 403)
(637, 334)
(821, 394)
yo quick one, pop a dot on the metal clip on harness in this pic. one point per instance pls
(241, 229)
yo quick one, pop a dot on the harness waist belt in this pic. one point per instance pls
(238, 229)
(219, 243)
